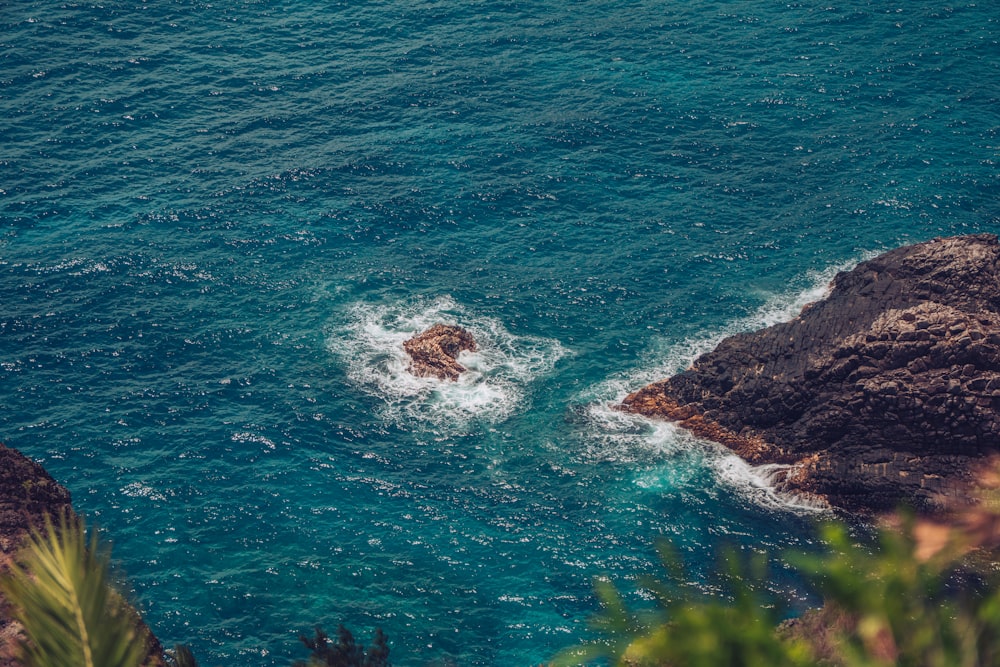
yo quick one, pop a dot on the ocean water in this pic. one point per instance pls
(220, 220)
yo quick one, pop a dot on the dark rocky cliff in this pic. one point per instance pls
(887, 390)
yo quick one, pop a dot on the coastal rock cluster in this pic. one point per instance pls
(887, 390)
(434, 352)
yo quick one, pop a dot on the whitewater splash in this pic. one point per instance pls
(494, 386)
(678, 459)
(613, 435)
(672, 357)
(761, 485)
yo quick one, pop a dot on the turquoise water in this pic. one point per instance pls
(220, 220)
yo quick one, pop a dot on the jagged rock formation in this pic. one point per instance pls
(27, 494)
(887, 390)
(434, 353)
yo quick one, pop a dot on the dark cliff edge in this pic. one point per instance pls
(27, 494)
(886, 391)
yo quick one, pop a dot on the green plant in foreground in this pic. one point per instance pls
(896, 603)
(59, 591)
(71, 615)
(900, 608)
(704, 633)
(924, 594)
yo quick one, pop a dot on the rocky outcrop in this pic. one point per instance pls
(27, 495)
(434, 353)
(886, 390)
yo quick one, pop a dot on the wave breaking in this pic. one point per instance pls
(617, 436)
(494, 386)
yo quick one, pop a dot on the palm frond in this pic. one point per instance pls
(61, 595)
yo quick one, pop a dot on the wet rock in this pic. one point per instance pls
(434, 353)
(883, 391)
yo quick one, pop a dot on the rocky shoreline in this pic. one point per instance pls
(886, 391)
(27, 494)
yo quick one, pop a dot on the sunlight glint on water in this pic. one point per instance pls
(220, 221)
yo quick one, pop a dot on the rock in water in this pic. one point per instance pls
(434, 353)
(887, 390)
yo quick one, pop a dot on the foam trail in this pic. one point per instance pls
(613, 435)
(672, 357)
(621, 437)
(761, 485)
(370, 345)
(784, 307)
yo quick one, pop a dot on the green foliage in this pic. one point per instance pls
(908, 611)
(59, 590)
(345, 652)
(70, 613)
(706, 633)
(924, 594)
(887, 604)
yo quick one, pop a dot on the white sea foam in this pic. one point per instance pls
(621, 437)
(627, 438)
(761, 485)
(140, 490)
(370, 344)
(252, 438)
(667, 357)
(617, 436)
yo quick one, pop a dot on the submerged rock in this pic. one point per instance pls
(887, 390)
(434, 353)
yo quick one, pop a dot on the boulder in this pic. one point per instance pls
(887, 390)
(434, 353)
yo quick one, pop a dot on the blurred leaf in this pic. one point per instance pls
(708, 633)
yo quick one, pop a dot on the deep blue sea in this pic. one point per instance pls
(220, 220)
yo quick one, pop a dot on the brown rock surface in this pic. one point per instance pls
(434, 353)
(886, 390)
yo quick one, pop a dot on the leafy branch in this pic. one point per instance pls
(61, 595)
